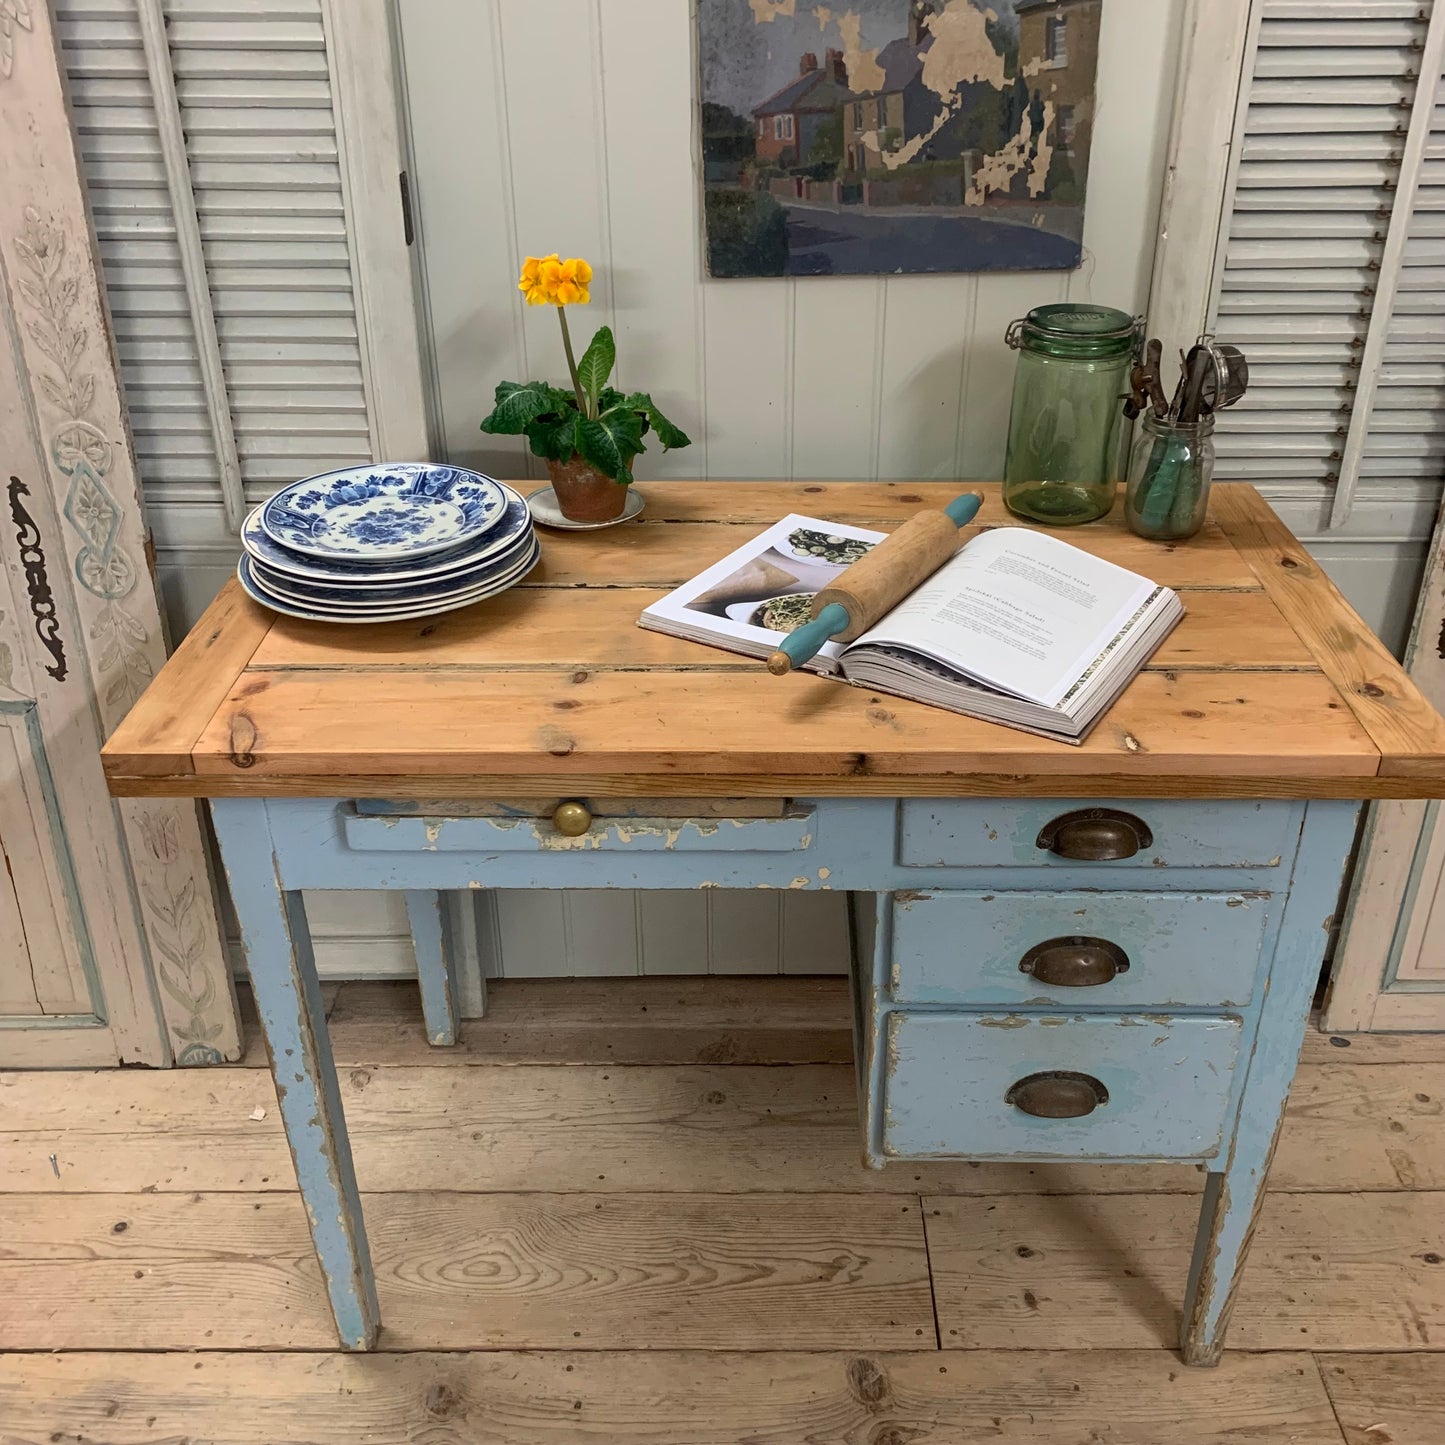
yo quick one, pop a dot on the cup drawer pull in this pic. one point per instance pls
(1095, 835)
(1075, 962)
(1057, 1094)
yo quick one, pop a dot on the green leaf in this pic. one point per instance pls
(517, 403)
(610, 443)
(670, 436)
(553, 436)
(597, 363)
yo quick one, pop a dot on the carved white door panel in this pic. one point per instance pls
(111, 950)
(45, 967)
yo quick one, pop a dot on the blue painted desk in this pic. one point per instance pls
(1102, 953)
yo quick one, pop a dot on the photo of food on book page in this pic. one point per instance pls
(763, 589)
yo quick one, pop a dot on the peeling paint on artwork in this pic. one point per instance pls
(864, 72)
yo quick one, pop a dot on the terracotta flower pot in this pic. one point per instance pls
(584, 494)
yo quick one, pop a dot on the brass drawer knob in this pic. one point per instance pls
(1057, 1094)
(1075, 962)
(1095, 835)
(572, 820)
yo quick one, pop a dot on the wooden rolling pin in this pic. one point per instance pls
(877, 582)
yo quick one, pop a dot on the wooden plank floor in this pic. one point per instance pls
(633, 1211)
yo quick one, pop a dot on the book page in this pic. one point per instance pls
(1018, 610)
(761, 591)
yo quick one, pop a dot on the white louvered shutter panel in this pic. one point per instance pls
(1409, 402)
(1324, 136)
(259, 115)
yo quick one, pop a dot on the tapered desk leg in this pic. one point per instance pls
(283, 977)
(426, 911)
(1233, 1196)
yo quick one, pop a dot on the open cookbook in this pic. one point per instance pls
(1018, 628)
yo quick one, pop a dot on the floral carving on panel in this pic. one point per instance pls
(14, 15)
(179, 936)
(82, 453)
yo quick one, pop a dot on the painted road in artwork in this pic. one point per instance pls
(823, 242)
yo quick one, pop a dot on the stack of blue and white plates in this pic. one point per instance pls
(385, 543)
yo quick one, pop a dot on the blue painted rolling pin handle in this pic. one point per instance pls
(803, 643)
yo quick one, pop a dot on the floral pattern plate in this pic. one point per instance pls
(429, 608)
(384, 512)
(439, 589)
(508, 538)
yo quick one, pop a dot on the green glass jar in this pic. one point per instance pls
(1167, 494)
(1067, 419)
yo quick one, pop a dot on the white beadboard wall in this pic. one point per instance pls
(570, 126)
(524, 145)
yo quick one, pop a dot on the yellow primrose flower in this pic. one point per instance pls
(539, 279)
(572, 283)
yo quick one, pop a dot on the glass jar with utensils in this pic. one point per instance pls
(1171, 464)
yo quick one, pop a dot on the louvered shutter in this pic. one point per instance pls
(255, 90)
(1325, 171)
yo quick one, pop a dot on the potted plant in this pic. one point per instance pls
(588, 436)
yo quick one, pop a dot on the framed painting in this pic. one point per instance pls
(868, 137)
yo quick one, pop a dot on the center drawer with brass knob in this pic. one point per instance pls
(1124, 1086)
(1084, 949)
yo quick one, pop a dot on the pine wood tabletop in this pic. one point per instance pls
(1272, 686)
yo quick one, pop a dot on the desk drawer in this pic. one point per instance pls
(961, 1085)
(1089, 949)
(403, 832)
(1012, 833)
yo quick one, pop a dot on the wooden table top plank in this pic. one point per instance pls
(1408, 731)
(743, 725)
(519, 627)
(1270, 687)
(664, 554)
(166, 720)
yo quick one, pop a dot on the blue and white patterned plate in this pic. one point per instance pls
(383, 512)
(315, 613)
(498, 572)
(507, 533)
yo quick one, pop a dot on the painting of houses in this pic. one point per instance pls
(934, 135)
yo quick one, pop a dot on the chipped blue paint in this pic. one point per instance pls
(1184, 950)
(288, 998)
(1232, 1196)
(426, 912)
(371, 833)
(1195, 1044)
(947, 1075)
(978, 833)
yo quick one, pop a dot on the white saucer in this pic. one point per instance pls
(544, 509)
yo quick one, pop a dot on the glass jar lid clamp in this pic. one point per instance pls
(1069, 329)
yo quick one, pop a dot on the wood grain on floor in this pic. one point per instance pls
(666, 1398)
(729, 1128)
(637, 1206)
